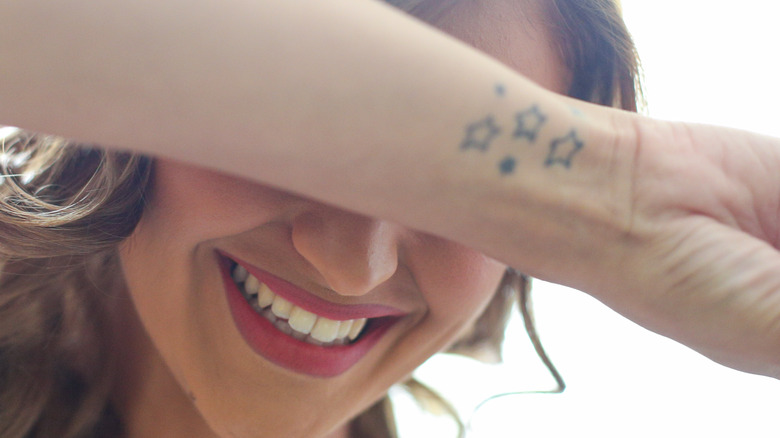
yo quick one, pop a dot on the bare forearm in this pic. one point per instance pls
(166, 77)
(345, 101)
(353, 104)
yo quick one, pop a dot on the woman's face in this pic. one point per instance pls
(314, 267)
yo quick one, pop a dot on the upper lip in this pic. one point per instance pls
(311, 302)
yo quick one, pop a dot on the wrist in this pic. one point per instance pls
(578, 219)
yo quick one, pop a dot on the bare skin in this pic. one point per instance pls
(673, 225)
(186, 372)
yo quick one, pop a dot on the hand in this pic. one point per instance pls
(699, 260)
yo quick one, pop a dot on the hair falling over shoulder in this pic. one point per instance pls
(64, 209)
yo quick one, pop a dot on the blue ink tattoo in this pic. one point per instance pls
(563, 150)
(529, 123)
(479, 135)
(507, 166)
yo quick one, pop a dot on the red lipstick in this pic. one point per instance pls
(295, 355)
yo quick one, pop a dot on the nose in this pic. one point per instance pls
(354, 254)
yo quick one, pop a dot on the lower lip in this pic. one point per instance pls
(287, 352)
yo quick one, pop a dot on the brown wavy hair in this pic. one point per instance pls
(64, 208)
(63, 211)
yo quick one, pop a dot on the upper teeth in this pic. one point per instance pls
(305, 325)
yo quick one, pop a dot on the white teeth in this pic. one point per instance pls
(264, 296)
(344, 328)
(301, 320)
(325, 330)
(240, 274)
(356, 328)
(300, 324)
(281, 307)
(251, 286)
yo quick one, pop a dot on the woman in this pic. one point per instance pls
(262, 95)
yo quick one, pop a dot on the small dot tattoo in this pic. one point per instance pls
(507, 166)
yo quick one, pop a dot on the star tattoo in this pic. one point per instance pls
(500, 90)
(529, 123)
(563, 150)
(479, 135)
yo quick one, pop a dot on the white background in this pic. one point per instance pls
(704, 61)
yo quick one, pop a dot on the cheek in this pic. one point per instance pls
(188, 207)
(194, 205)
(168, 261)
(458, 284)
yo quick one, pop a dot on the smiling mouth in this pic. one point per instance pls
(293, 320)
(297, 330)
